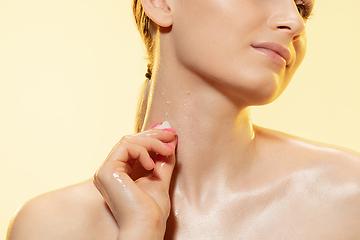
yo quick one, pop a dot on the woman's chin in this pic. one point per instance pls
(255, 91)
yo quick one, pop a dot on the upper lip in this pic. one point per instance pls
(276, 47)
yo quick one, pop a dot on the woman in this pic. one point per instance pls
(210, 61)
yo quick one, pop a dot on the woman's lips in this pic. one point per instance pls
(275, 52)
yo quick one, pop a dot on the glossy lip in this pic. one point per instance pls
(274, 50)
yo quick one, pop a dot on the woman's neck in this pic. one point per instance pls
(215, 136)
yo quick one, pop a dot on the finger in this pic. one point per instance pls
(113, 180)
(120, 160)
(165, 166)
(137, 147)
(161, 135)
(164, 135)
(127, 152)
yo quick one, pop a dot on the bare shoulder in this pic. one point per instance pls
(324, 180)
(74, 212)
(321, 175)
(314, 153)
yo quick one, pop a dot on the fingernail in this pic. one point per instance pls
(169, 146)
(153, 163)
(155, 125)
(168, 130)
(165, 124)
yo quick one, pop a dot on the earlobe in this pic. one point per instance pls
(158, 11)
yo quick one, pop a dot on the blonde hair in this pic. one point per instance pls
(143, 24)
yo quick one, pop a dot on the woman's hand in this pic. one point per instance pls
(140, 207)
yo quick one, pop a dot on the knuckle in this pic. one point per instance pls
(143, 152)
(125, 138)
(124, 142)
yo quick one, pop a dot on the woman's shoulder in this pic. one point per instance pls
(320, 175)
(334, 164)
(73, 212)
(308, 149)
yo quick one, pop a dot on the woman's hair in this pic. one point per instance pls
(143, 23)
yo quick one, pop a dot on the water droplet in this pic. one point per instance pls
(117, 177)
(167, 102)
(188, 92)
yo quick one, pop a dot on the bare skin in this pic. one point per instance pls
(307, 192)
(232, 180)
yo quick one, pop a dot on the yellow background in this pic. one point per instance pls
(70, 71)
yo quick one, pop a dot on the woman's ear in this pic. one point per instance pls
(159, 11)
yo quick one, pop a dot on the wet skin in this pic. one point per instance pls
(232, 180)
(309, 192)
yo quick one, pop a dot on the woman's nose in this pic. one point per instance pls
(286, 18)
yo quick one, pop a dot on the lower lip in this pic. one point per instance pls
(273, 56)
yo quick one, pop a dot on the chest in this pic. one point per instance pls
(273, 216)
